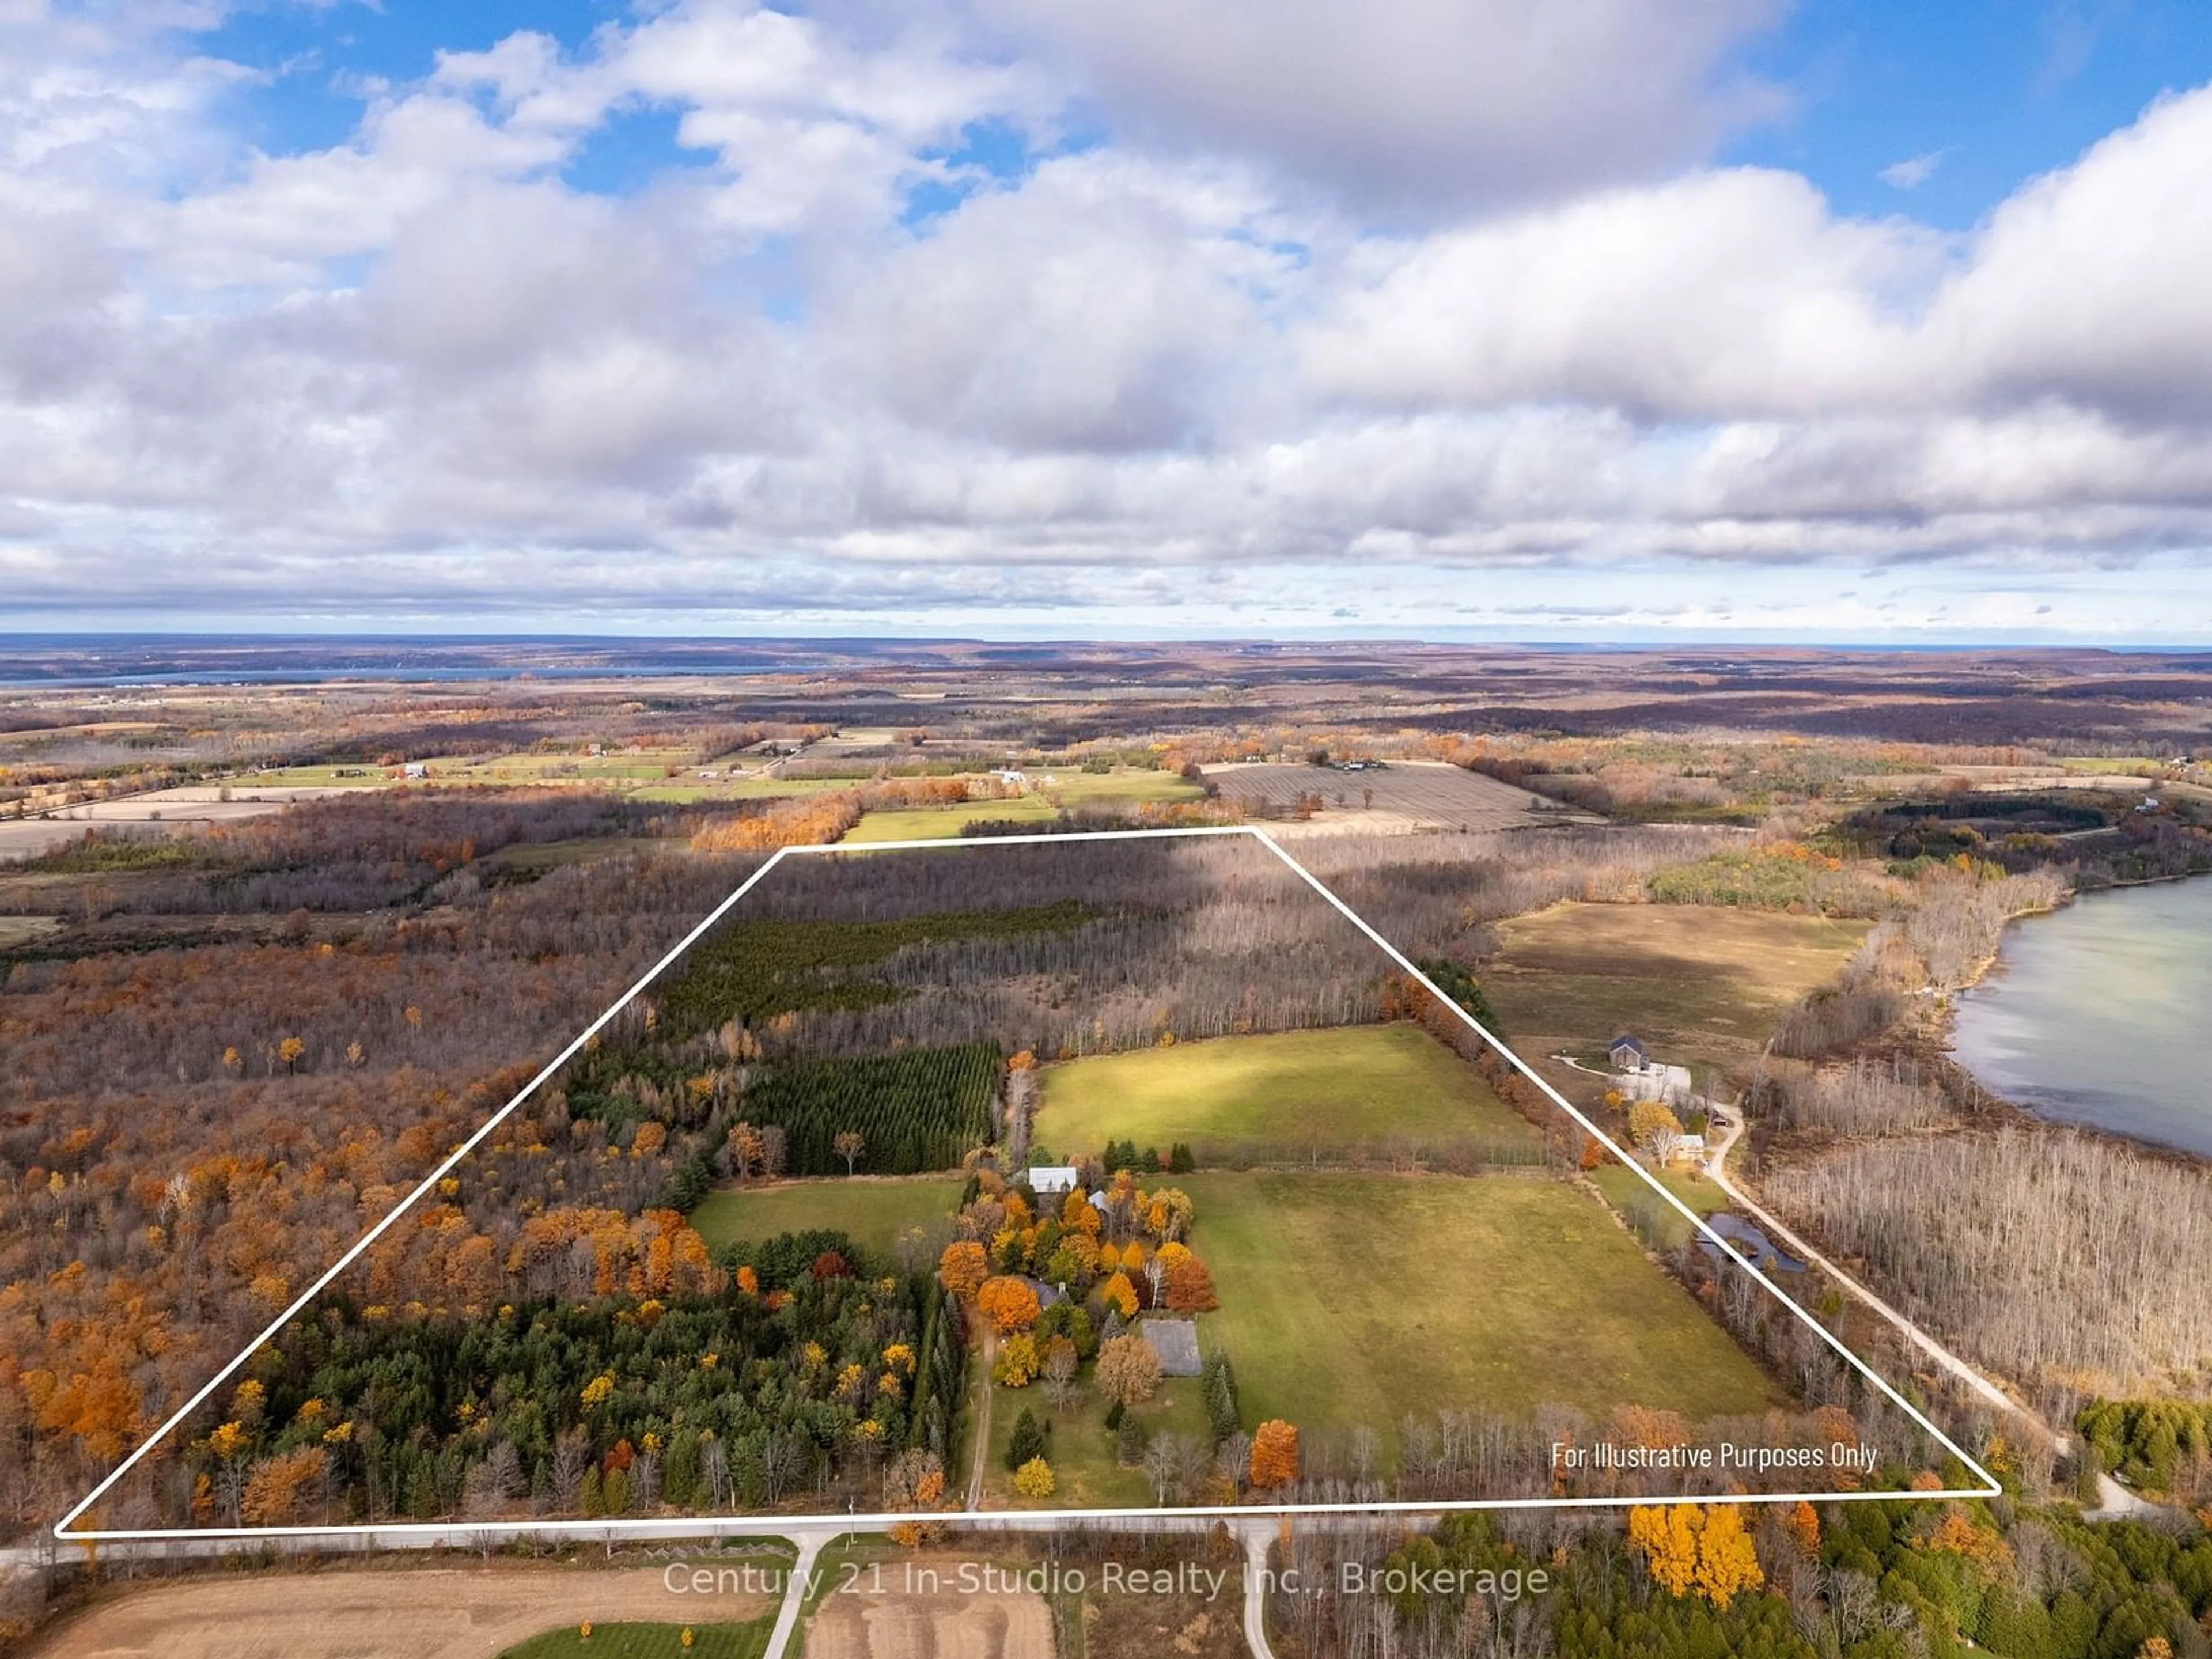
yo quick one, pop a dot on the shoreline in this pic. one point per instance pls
(2018, 1112)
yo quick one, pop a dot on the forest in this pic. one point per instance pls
(1900, 1578)
(696, 1389)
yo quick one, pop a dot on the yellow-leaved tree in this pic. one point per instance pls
(1686, 1549)
(1667, 1538)
(1728, 1565)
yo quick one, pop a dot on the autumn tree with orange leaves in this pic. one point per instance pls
(1274, 1455)
(963, 1268)
(1009, 1303)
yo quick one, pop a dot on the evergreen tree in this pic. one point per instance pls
(1029, 1439)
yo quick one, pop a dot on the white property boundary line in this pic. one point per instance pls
(647, 1527)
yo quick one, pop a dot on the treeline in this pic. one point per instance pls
(363, 851)
(1784, 875)
(1900, 1578)
(1868, 1095)
(752, 970)
(2057, 1258)
(1433, 895)
(2162, 1446)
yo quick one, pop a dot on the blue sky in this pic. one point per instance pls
(1731, 318)
(1988, 93)
(1994, 91)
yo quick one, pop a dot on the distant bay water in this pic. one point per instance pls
(2097, 1013)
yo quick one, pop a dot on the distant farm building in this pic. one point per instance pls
(1175, 1342)
(1628, 1054)
(1051, 1178)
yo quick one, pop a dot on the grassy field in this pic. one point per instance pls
(1079, 789)
(1693, 982)
(872, 1212)
(1084, 1471)
(1416, 1292)
(1623, 1188)
(1358, 1087)
(686, 792)
(22, 930)
(746, 1641)
(665, 776)
(945, 822)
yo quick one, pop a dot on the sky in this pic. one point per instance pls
(1864, 320)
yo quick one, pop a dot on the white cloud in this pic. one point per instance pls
(1720, 292)
(1417, 105)
(1210, 354)
(1913, 171)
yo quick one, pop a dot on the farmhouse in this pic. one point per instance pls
(1628, 1054)
(1050, 1179)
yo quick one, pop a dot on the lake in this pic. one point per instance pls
(2096, 1012)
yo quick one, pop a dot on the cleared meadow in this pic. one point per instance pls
(1695, 982)
(873, 1211)
(945, 822)
(1351, 1299)
(1425, 794)
(1358, 1090)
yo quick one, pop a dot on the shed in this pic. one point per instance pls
(1628, 1054)
(1053, 1178)
(1175, 1342)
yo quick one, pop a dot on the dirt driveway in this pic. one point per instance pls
(421, 1613)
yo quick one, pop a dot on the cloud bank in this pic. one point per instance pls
(999, 307)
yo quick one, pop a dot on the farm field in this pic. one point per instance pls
(1422, 794)
(679, 791)
(916, 1606)
(638, 1641)
(871, 1211)
(1079, 789)
(1428, 1291)
(22, 930)
(154, 813)
(445, 1613)
(1695, 982)
(666, 775)
(945, 822)
(1361, 1087)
